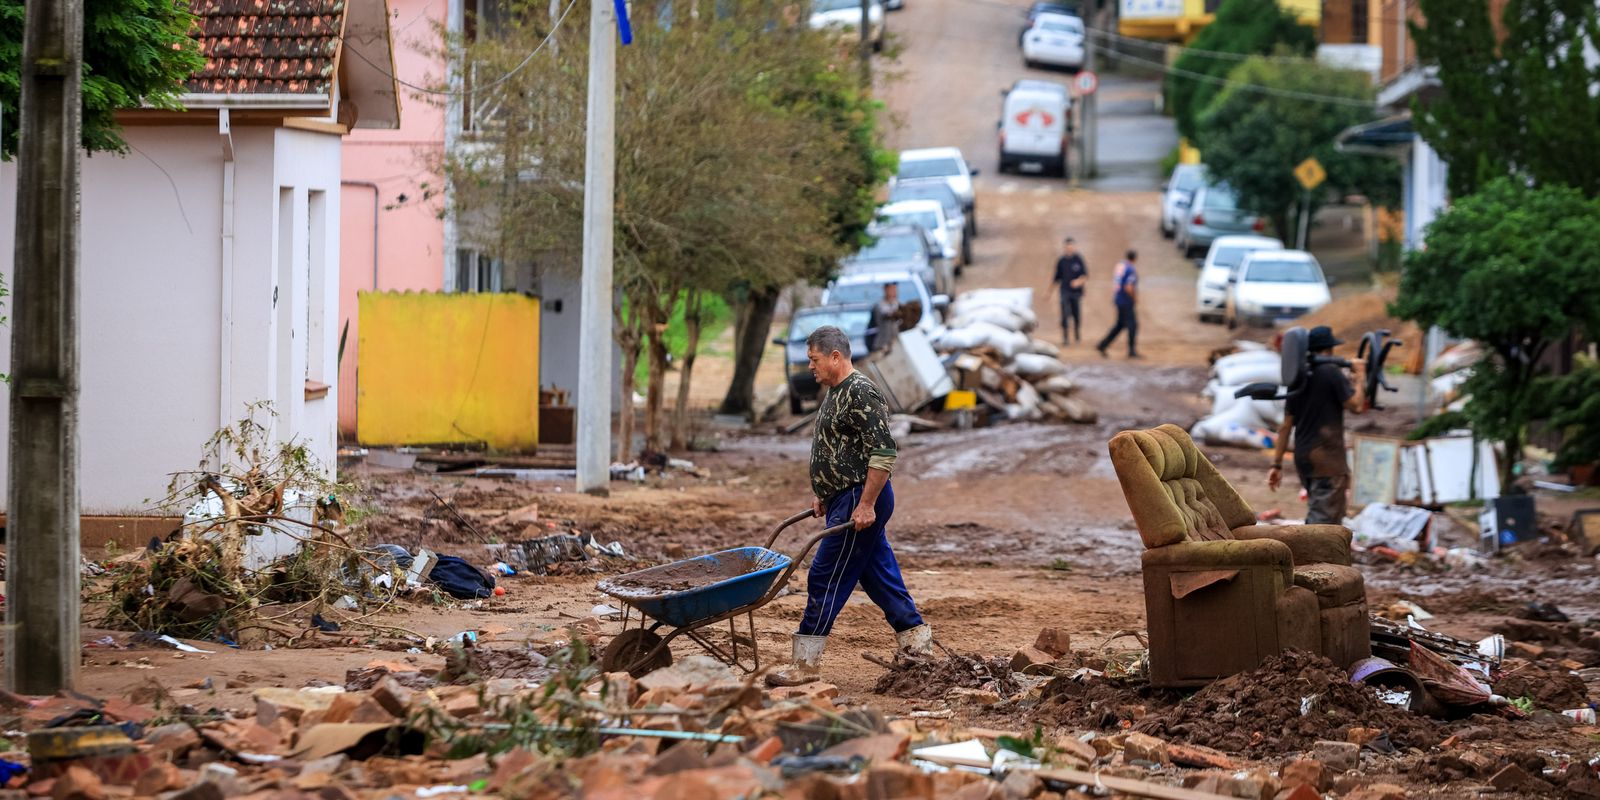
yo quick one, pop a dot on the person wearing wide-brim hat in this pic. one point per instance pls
(1315, 415)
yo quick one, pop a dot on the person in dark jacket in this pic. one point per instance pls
(1071, 275)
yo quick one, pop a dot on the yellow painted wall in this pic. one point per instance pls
(437, 368)
(1195, 18)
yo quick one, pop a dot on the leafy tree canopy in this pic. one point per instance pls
(1241, 27)
(135, 53)
(1253, 140)
(1523, 102)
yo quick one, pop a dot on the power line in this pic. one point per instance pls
(1243, 85)
(485, 87)
(1217, 54)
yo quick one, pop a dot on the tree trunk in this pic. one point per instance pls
(693, 307)
(655, 324)
(755, 323)
(628, 338)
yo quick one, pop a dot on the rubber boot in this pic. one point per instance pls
(806, 666)
(916, 641)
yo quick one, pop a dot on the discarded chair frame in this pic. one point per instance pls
(639, 649)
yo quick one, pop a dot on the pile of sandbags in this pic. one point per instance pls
(1241, 421)
(989, 351)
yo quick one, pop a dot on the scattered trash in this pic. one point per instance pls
(460, 579)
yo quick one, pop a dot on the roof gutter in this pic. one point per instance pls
(248, 101)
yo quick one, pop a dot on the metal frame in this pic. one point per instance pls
(692, 630)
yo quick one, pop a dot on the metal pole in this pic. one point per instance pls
(594, 340)
(866, 42)
(42, 506)
(1089, 165)
(1305, 221)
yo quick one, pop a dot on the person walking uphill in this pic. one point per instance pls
(852, 455)
(1316, 416)
(1126, 279)
(1071, 274)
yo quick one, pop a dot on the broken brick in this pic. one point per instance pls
(170, 741)
(1524, 650)
(1339, 756)
(1305, 772)
(875, 749)
(77, 783)
(1143, 747)
(766, 751)
(813, 690)
(1378, 791)
(1515, 778)
(1020, 784)
(290, 704)
(1196, 756)
(1033, 661)
(394, 696)
(1054, 641)
(1300, 792)
(1361, 736)
(163, 777)
(680, 758)
(1077, 749)
(894, 779)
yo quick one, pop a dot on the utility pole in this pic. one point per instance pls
(42, 646)
(866, 43)
(1089, 165)
(599, 188)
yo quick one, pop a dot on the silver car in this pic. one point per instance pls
(1176, 193)
(901, 248)
(955, 218)
(1213, 212)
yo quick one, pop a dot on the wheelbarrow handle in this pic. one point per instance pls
(804, 515)
(794, 563)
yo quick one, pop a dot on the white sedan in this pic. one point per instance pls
(845, 16)
(1056, 40)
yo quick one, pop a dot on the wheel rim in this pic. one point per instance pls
(629, 647)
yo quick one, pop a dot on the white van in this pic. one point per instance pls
(1034, 130)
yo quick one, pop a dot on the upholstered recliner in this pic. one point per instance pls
(1222, 593)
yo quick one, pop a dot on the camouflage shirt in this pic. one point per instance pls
(851, 435)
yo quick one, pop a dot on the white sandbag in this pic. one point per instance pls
(1043, 348)
(1056, 384)
(1247, 357)
(1020, 297)
(1224, 428)
(994, 315)
(1077, 410)
(980, 334)
(952, 339)
(1270, 412)
(1027, 396)
(1241, 374)
(1033, 365)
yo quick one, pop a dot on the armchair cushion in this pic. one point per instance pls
(1310, 544)
(1225, 554)
(1334, 584)
(1175, 494)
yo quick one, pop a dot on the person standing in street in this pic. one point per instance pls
(1315, 415)
(886, 320)
(1071, 275)
(852, 455)
(1126, 281)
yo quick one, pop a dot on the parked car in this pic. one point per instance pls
(867, 287)
(929, 215)
(955, 219)
(1225, 255)
(1213, 212)
(1034, 128)
(855, 319)
(845, 16)
(1176, 194)
(943, 164)
(1049, 7)
(898, 248)
(944, 272)
(1273, 286)
(1055, 40)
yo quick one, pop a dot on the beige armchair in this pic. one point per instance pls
(1221, 592)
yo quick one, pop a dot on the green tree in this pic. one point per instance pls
(136, 53)
(1253, 139)
(1243, 28)
(1518, 101)
(1513, 267)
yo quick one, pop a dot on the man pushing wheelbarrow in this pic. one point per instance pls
(852, 454)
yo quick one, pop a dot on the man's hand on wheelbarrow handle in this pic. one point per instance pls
(816, 508)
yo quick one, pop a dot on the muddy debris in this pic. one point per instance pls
(935, 678)
(1549, 686)
(1098, 703)
(1288, 703)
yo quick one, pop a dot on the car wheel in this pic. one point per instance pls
(1166, 232)
(966, 251)
(795, 406)
(972, 222)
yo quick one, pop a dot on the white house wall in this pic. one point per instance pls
(151, 306)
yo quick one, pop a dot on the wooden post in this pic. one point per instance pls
(42, 573)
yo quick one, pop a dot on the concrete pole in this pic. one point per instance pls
(42, 522)
(599, 186)
(1089, 165)
(866, 42)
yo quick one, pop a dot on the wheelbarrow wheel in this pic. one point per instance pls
(625, 653)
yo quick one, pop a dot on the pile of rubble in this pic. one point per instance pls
(989, 351)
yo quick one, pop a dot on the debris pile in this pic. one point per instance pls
(989, 352)
(1241, 421)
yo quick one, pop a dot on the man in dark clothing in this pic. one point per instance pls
(1071, 274)
(1315, 415)
(886, 320)
(1126, 281)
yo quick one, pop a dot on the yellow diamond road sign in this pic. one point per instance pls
(1310, 173)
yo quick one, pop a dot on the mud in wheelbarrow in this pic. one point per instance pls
(691, 595)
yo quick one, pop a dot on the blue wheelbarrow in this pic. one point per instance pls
(692, 595)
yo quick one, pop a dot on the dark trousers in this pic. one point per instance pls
(1071, 315)
(1128, 321)
(846, 559)
(1326, 498)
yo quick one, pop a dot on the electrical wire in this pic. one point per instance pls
(1216, 54)
(1226, 82)
(476, 89)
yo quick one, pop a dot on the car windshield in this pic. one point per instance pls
(1186, 180)
(929, 220)
(1220, 197)
(1231, 256)
(852, 321)
(930, 168)
(893, 247)
(871, 292)
(1060, 25)
(821, 6)
(1274, 271)
(927, 191)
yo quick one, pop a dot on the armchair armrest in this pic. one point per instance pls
(1225, 554)
(1310, 544)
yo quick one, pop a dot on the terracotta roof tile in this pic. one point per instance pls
(267, 46)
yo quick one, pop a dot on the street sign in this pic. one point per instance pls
(1310, 173)
(1085, 83)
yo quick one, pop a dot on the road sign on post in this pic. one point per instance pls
(1310, 173)
(1085, 83)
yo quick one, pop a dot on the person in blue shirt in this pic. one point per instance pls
(1126, 281)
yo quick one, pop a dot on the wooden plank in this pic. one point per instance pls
(1131, 786)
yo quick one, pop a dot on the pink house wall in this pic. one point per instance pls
(403, 164)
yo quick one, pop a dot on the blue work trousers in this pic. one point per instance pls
(864, 557)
